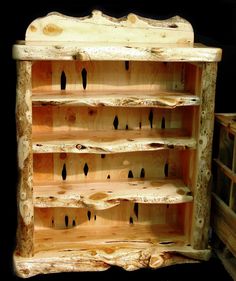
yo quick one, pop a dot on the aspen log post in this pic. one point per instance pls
(25, 227)
(202, 194)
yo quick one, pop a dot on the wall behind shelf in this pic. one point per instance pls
(214, 24)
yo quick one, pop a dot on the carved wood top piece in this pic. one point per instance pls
(100, 28)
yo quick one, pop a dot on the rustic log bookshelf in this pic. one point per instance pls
(114, 129)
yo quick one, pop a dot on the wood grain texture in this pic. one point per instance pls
(102, 28)
(114, 157)
(113, 52)
(127, 99)
(201, 208)
(103, 195)
(114, 141)
(109, 76)
(166, 218)
(100, 259)
(25, 227)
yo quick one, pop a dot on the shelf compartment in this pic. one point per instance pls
(112, 141)
(130, 247)
(163, 99)
(107, 194)
(105, 236)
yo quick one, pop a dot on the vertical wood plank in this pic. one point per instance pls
(25, 228)
(201, 207)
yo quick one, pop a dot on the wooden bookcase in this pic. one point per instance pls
(223, 217)
(114, 127)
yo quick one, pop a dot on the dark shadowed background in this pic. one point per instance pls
(214, 23)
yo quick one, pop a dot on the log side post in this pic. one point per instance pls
(25, 228)
(202, 192)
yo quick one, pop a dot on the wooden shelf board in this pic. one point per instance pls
(107, 194)
(163, 99)
(115, 51)
(94, 249)
(111, 141)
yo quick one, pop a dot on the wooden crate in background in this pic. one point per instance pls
(223, 217)
(114, 128)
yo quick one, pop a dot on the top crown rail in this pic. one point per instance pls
(102, 28)
(101, 37)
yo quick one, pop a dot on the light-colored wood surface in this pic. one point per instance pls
(135, 98)
(100, 259)
(127, 99)
(58, 37)
(128, 246)
(116, 166)
(223, 220)
(89, 236)
(101, 28)
(25, 229)
(75, 119)
(201, 206)
(109, 76)
(125, 214)
(103, 195)
(101, 52)
(112, 141)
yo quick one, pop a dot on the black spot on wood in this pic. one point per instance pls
(166, 242)
(116, 122)
(173, 25)
(166, 169)
(66, 221)
(150, 118)
(63, 80)
(63, 172)
(130, 174)
(163, 123)
(89, 215)
(126, 65)
(136, 209)
(142, 173)
(86, 169)
(84, 78)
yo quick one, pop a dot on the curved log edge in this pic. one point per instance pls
(100, 259)
(102, 28)
(110, 194)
